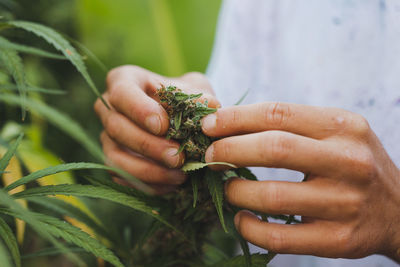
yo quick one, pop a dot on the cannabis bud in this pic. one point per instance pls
(185, 114)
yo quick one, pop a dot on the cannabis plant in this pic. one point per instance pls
(192, 226)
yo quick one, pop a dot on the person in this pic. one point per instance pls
(330, 72)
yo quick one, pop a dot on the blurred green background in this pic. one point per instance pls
(169, 37)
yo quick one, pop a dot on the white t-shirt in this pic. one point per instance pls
(341, 53)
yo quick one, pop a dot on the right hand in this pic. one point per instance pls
(135, 125)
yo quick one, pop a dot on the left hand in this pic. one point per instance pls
(350, 203)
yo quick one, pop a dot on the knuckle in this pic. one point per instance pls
(144, 146)
(279, 147)
(343, 237)
(271, 197)
(352, 204)
(114, 75)
(194, 75)
(276, 241)
(345, 240)
(361, 127)
(111, 125)
(277, 114)
(97, 105)
(363, 162)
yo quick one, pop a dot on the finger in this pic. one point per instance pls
(274, 149)
(157, 189)
(311, 121)
(126, 133)
(310, 239)
(126, 91)
(142, 168)
(318, 198)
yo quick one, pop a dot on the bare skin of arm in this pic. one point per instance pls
(350, 203)
(134, 128)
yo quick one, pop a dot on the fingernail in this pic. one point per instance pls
(178, 177)
(153, 123)
(209, 154)
(209, 123)
(171, 158)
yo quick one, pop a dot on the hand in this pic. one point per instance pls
(350, 203)
(134, 126)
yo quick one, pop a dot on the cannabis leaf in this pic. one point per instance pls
(6, 44)
(95, 192)
(12, 62)
(72, 234)
(10, 153)
(9, 239)
(216, 187)
(195, 165)
(61, 44)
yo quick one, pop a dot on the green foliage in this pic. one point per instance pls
(257, 260)
(63, 208)
(9, 154)
(216, 187)
(71, 234)
(195, 165)
(55, 169)
(59, 119)
(6, 44)
(61, 44)
(4, 259)
(95, 192)
(9, 239)
(13, 64)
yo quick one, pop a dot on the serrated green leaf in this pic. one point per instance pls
(197, 165)
(60, 120)
(72, 234)
(6, 44)
(55, 169)
(66, 209)
(16, 210)
(10, 153)
(51, 252)
(59, 42)
(216, 188)
(11, 242)
(95, 192)
(257, 260)
(13, 64)
(30, 88)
